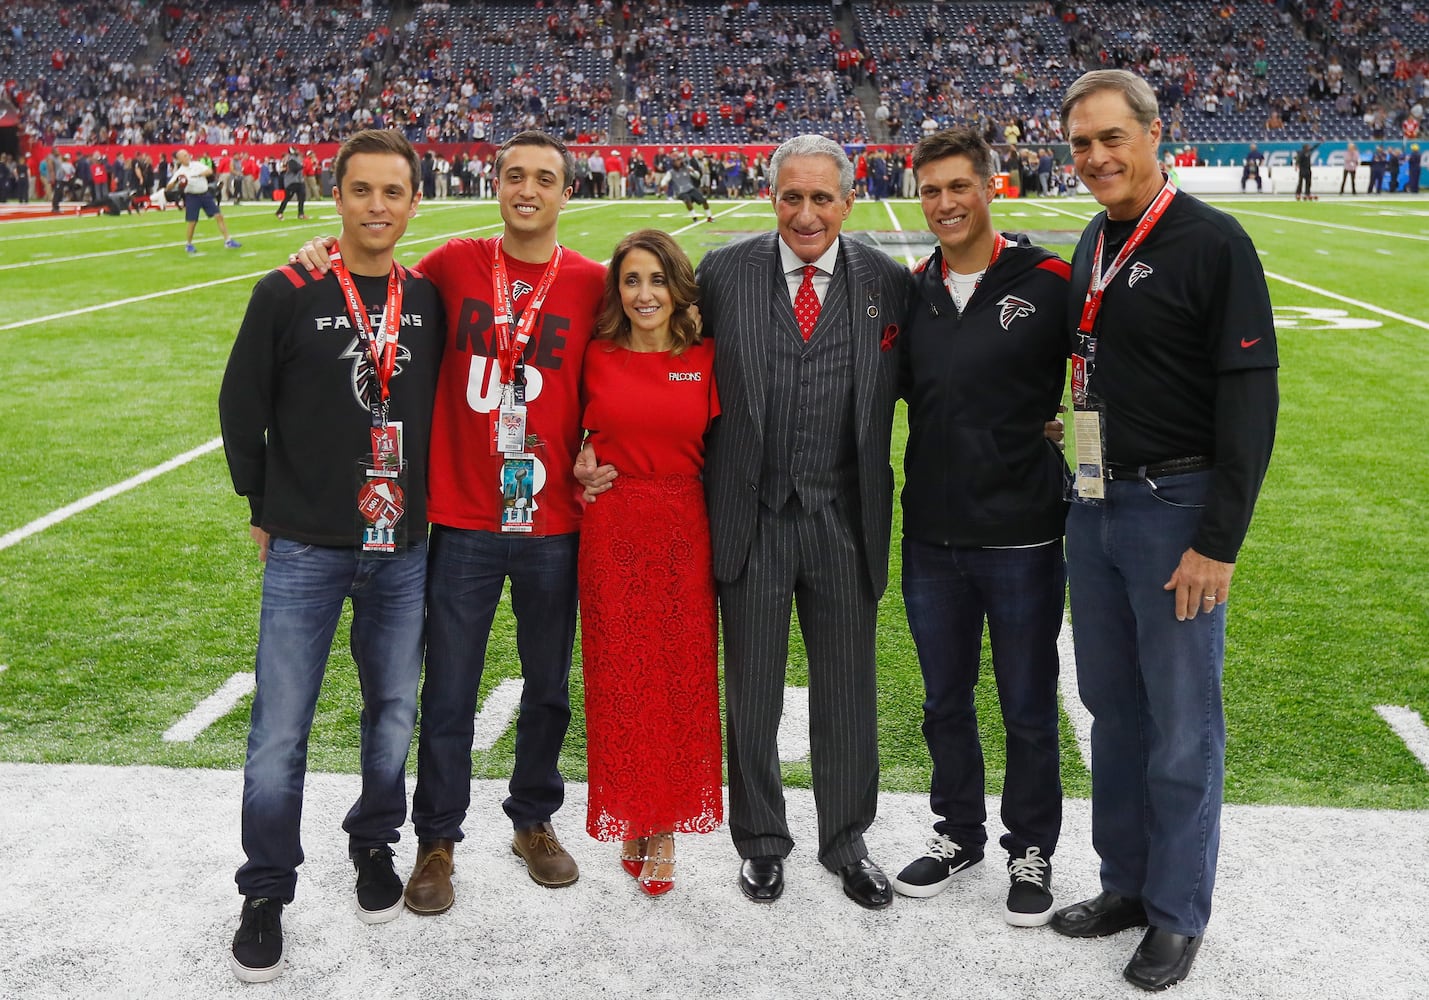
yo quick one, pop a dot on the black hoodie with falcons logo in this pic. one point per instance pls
(980, 387)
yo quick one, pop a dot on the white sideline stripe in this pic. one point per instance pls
(1077, 713)
(109, 492)
(496, 714)
(211, 709)
(1349, 301)
(1409, 726)
(794, 726)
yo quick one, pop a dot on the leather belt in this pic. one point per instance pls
(1171, 467)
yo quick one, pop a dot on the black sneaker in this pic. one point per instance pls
(1029, 901)
(257, 955)
(931, 873)
(379, 890)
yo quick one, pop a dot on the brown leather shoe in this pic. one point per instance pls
(429, 890)
(546, 860)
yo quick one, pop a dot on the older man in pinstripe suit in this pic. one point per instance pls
(800, 496)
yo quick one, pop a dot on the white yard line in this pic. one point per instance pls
(908, 258)
(691, 226)
(117, 303)
(1409, 726)
(129, 251)
(496, 713)
(69, 510)
(1047, 205)
(211, 709)
(176, 219)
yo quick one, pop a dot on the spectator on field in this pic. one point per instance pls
(194, 180)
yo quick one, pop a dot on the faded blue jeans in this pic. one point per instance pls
(304, 587)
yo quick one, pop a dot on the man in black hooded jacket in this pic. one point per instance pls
(982, 366)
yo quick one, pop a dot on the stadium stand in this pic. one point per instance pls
(692, 72)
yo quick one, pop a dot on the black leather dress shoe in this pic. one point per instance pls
(865, 884)
(1099, 916)
(1162, 959)
(762, 879)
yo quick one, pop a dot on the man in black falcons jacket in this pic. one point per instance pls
(982, 365)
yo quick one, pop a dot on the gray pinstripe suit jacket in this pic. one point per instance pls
(741, 290)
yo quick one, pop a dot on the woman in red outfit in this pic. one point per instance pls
(647, 596)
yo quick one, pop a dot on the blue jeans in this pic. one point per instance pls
(304, 587)
(465, 576)
(948, 593)
(1153, 686)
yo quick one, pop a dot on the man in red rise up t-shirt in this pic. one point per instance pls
(503, 504)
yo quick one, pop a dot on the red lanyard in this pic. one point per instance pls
(508, 347)
(381, 347)
(1101, 279)
(998, 242)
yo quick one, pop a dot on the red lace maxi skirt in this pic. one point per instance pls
(649, 651)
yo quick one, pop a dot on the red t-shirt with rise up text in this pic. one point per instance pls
(464, 477)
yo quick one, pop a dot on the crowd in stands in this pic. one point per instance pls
(1385, 48)
(691, 71)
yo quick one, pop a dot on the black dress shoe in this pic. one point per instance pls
(865, 884)
(1162, 959)
(1099, 916)
(762, 879)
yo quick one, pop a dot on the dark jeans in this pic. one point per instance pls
(1019, 592)
(304, 587)
(465, 575)
(1153, 686)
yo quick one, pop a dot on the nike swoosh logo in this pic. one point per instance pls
(1250, 343)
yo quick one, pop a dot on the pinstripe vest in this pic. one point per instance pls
(808, 427)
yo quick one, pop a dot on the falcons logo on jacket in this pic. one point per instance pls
(362, 376)
(1138, 271)
(1010, 307)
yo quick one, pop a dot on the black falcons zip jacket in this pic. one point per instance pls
(978, 469)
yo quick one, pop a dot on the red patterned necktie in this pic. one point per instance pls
(806, 303)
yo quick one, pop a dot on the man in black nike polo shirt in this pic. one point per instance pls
(1175, 396)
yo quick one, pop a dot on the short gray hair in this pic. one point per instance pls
(1138, 93)
(812, 145)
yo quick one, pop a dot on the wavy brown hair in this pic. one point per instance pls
(614, 325)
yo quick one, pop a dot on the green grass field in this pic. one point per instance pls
(119, 620)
